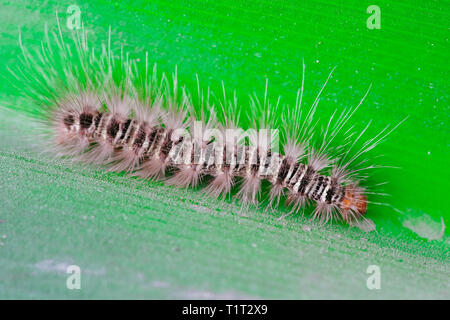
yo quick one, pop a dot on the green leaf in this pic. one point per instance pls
(141, 239)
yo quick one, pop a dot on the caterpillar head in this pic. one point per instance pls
(354, 203)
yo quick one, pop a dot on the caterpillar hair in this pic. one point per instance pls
(109, 110)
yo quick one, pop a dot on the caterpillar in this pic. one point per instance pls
(111, 111)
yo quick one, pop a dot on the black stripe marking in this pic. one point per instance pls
(305, 181)
(113, 128)
(282, 173)
(158, 136)
(330, 192)
(299, 172)
(85, 120)
(132, 131)
(151, 137)
(139, 141)
(318, 185)
(167, 145)
(294, 171)
(126, 125)
(97, 120)
(68, 121)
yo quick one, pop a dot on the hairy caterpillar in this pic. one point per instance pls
(106, 110)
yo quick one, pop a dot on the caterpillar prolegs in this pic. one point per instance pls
(111, 110)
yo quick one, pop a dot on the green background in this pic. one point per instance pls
(141, 239)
